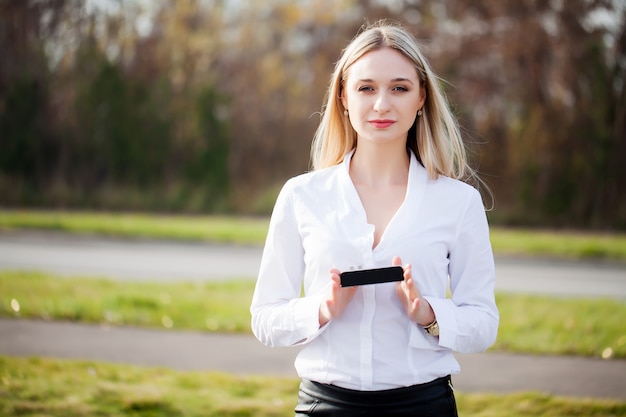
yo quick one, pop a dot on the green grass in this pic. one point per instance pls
(561, 326)
(528, 324)
(223, 229)
(61, 388)
(220, 229)
(208, 306)
(566, 244)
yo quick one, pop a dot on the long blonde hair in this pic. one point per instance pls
(434, 137)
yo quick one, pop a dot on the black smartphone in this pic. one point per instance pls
(371, 276)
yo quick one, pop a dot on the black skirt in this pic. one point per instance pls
(435, 398)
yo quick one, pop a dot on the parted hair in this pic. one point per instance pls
(434, 137)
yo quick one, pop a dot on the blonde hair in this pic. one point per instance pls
(434, 137)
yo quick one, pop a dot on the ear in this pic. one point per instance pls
(342, 93)
(344, 99)
(422, 97)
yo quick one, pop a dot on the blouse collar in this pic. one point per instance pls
(350, 210)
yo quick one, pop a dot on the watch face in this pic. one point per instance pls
(434, 330)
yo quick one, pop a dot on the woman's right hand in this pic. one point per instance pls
(337, 300)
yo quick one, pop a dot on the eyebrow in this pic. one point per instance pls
(395, 80)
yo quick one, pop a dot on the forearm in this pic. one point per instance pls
(286, 323)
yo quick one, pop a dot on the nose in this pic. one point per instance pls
(382, 103)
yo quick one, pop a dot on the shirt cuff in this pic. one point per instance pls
(306, 318)
(444, 313)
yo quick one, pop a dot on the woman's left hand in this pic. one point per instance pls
(417, 307)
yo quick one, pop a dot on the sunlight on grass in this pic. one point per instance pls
(559, 243)
(551, 325)
(209, 306)
(60, 388)
(219, 229)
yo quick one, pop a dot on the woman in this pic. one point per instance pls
(386, 189)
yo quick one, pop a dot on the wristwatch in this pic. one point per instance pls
(432, 329)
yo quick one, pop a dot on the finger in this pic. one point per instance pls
(410, 289)
(396, 261)
(335, 276)
(415, 305)
(408, 271)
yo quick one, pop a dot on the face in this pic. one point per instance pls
(382, 94)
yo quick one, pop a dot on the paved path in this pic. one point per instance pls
(156, 260)
(242, 354)
(125, 259)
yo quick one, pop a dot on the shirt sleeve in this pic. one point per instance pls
(280, 316)
(468, 321)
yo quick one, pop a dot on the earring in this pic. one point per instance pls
(419, 112)
(345, 112)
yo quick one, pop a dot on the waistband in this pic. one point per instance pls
(420, 392)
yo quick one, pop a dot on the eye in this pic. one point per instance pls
(400, 88)
(366, 88)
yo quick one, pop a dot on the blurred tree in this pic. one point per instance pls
(120, 136)
(210, 165)
(27, 146)
(195, 104)
(186, 45)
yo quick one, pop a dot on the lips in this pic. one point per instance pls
(381, 124)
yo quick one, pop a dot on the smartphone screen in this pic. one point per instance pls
(371, 276)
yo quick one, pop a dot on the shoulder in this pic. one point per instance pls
(308, 191)
(453, 191)
(312, 181)
(452, 185)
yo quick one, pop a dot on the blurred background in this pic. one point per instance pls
(208, 106)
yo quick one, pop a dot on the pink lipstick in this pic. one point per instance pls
(381, 124)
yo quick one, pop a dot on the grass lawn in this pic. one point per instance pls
(222, 229)
(61, 388)
(528, 324)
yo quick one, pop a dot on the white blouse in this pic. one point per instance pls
(319, 223)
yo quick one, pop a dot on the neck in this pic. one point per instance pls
(380, 167)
